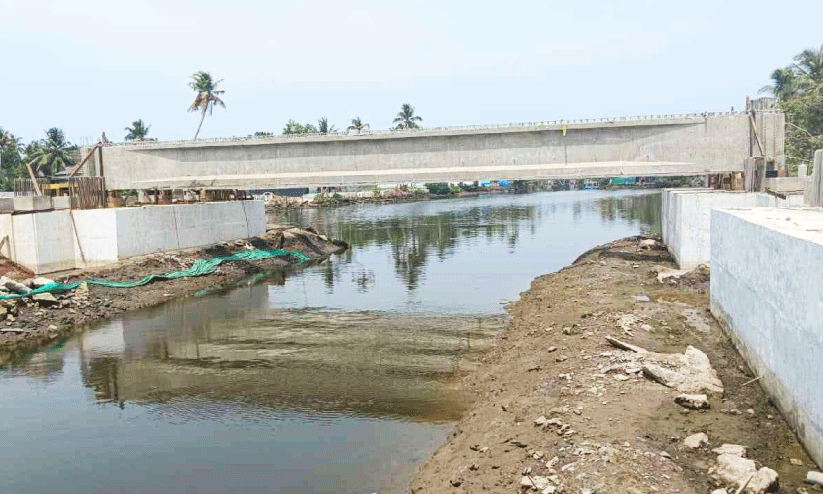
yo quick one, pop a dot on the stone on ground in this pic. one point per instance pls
(45, 299)
(696, 440)
(765, 480)
(40, 281)
(733, 470)
(689, 373)
(731, 449)
(695, 402)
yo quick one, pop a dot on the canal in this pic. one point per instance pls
(340, 378)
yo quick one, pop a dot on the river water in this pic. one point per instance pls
(339, 378)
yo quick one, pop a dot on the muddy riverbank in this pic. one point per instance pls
(26, 324)
(557, 406)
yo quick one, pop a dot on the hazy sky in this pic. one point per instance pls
(90, 66)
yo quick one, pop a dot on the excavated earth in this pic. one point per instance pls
(603, 425)
(26, 324)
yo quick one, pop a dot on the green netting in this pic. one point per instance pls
(199, 268)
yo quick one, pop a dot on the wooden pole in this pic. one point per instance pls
(78, 167)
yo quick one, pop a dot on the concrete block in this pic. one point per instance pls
(33, 203)
(767, 292)
(62, 202)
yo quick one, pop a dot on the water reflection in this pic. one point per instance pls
(472, 238)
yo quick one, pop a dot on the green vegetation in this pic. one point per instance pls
(323, 126)
(138, 131)
(799, 87)
(357, 125)
(207, 96)
(296, 128)
(406, 119)
(52, 154)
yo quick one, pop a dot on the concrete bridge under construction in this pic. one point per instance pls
(694, 144)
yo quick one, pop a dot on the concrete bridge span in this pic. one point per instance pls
(694, 144)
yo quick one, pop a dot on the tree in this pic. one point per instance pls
(358, 125)
(787, 84)
(138, 131)
(809, 62)
(323, 126)
(207, 96)
(52, 154)
(7, 141)
(406, 119)
(296, 128)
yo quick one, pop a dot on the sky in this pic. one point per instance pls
(92, 66)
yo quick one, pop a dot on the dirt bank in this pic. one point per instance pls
(611, 428)
(27, 324)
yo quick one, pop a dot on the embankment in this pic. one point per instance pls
(28, 324)
(558, 406)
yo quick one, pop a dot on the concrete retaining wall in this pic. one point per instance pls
(58, 240)
(767, 292)
(686, 215)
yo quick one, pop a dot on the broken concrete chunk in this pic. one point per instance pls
(541, 421)
(536, 482)
(40, 282)
(13, 286)
(814, 478)
(765, 480)
(696, 440)
(45, 299)
(731, 449)
(689, 373)
(733, 469)
(695, 402)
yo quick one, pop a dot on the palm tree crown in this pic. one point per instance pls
(52, 154)
(138, 130)
(810, 63)
(406, 119)
(358, 125)
(207, 95)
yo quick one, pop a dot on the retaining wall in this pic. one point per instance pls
(767, 292)
(686, 215)
(58, 240)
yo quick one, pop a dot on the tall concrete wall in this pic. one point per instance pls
(688, 145)
(767, 292)
(59, 240)
(687, 213)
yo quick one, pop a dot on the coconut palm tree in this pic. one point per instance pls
(809, 62)
(138, 131)
(406, 119)
(52, 154)
(358, 125)
(7, 141)
(787, 84)
(323, 126)
(207, 95)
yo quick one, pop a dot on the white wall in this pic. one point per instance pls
(686, 218)
(767, 292)
(58, 240)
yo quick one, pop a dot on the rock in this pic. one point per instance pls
(731, 449)
(642, 298)
(689, 373)
(695, 402)
(552, 349)
(538, 483)
(814, 478)
(13, 286)
(696, 440)
(795, 462)
(733, 469)
(40, 282)
(45, 299)
(648, 244)
(765, 480)
(719, 491)
(541, 421)
(82, 290)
